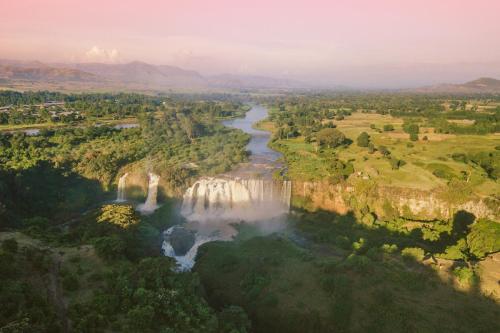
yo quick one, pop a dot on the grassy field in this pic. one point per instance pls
(422, 157)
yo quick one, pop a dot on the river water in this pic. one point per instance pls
(263, 160)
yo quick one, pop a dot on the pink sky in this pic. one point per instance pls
(300, 39)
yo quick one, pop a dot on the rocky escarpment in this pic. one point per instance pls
(136, 186)
(387, 201)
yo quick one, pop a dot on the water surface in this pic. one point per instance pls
(263, 160)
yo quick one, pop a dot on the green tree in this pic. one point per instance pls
(363, 139)
(388, 127)
(123, 216)
(484, 238)
(330, 137)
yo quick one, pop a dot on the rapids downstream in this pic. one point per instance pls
(249, 193)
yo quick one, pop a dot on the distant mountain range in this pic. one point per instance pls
(130, 76)
(143, 77)
(482, 85)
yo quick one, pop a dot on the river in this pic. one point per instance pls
(263, 160)
(212, 205)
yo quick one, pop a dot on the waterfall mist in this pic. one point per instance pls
(212, 205)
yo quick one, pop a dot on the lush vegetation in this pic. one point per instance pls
(345, 276)
(63, 170)
(68, 261)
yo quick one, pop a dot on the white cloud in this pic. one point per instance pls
(101, 55)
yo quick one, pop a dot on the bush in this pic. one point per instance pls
(384, 151)
(388, 128)
(457, 251)
(363, 140)
(441, 171)
(389, 248)
(109, 247)
(484, 238)
(459, 157)
(371, 148)
(396, 164)
(415, 253)
(413, 136)
(465, 275)
(330, 137)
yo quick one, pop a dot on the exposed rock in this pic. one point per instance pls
(181, 239)
(409, 203)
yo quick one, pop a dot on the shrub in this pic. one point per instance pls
(388, 128)
(389, 248)
(415, 253)
(330, 137)
(464, 274)
(123, 216)
(359, 246)
(384, 151)
(441, 171)
(484, 238)
(413, 136)
(371, 148)
(363, 139)
(457, 251)
(396, 164)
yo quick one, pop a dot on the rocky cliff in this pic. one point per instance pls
(385, 201)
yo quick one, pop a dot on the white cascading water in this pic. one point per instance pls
(185, 262)
(120, 195)
(216, 202)
(236, 199)
(150, 205)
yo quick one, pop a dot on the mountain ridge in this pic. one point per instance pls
(135, 75)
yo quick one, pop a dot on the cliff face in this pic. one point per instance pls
(384, 201)
(136, 186)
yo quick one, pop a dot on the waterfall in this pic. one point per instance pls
(120, 195)
(185, 262)
(236, 199)
(150, 205)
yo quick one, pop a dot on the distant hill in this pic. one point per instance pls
(35, 72)
(481, 85)
(143, 74)
(130, 76)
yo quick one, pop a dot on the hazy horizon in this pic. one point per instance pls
(360, 44)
